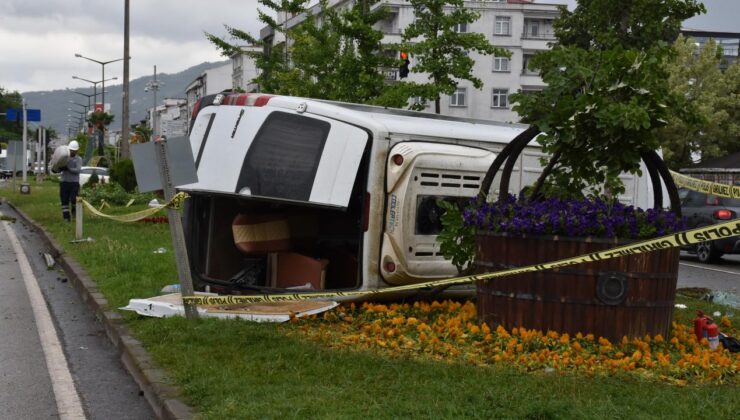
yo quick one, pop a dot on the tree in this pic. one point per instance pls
(441, 51)
(10, 130)
(338, 58)
(607, 89)
(100, 120)
(274, 57)
(695, 74)
(141, 134)
(336, 55)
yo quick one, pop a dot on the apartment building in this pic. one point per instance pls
(211, 81)
(521, 26)
(244, 69)
(728, 41)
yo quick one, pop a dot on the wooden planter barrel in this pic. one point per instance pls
(626, 296)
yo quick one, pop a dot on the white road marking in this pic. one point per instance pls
(710, 269)
(68, 402)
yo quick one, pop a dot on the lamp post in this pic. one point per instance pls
(153, 86)
(83, 94)
(85, 107)
(95, 87)
(102, 63)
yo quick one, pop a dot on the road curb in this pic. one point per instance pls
(157, 388)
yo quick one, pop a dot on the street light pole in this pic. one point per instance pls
(95, 86)
(85, 107)
(153, 85)
(125, 126)
(83, 94)
(102, 63)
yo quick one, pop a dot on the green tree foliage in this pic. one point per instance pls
(607, 89)
(82, 139)
(273, 60)
(141, 134)
(339, 57)
(100, 120)
(440, 51)
(10, 130)
(694, 74)
(122, 173)
(336, 55)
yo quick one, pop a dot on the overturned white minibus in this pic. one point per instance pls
(300, 194)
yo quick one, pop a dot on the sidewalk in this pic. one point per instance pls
(163, 398)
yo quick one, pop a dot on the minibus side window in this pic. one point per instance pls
(429, 214)
(283, 158)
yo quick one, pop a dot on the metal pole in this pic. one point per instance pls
(43, 152)
(103, 84)
(37, 156)
(155, 129)
(25, 188)
(78, 218)
(125, 127)
(178, 236)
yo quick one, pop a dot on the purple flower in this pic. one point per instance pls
(571, 217)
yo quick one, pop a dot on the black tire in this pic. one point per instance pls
(707, 252)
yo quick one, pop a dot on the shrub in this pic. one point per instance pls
(123, 173)
(94, 179)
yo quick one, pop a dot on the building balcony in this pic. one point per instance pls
(547, 36)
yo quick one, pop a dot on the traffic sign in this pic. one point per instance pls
(33, 114)
(13, 114)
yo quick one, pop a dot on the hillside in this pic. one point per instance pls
(54, 104)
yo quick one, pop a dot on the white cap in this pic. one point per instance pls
(73, 145)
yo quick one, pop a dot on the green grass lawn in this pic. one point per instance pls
(237, 369)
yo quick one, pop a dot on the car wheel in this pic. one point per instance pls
(707, 252)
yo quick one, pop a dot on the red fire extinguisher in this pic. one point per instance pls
(712, 334)
(700, 323)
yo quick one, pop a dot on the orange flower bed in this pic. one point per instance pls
(449, 331)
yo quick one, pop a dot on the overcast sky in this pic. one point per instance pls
(41, 37)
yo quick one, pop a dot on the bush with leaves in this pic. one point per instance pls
(123, 173)
(113, 194)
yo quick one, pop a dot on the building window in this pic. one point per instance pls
(500, 98)
(418, 102)
(533, 29)
(461, 28)
(525, 65)
(501, 64)
(458, 98)
(503, 25)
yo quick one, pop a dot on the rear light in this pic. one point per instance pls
(196, 108)
(390, 266)
(262, 100)
(397, 159)
(724, 214)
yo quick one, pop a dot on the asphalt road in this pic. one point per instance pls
(724, 275)
(29, 384)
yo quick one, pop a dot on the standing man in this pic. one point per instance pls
(69, 184)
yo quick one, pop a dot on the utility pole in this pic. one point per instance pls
(25, 188)
(153, 85)
(125, 126)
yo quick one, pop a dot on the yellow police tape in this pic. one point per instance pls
(689, 237)
(175, 202)
(721, 190)
(693, 236)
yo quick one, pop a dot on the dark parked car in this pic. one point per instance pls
(703, 210)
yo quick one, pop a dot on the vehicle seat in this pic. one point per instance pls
(269, 235)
